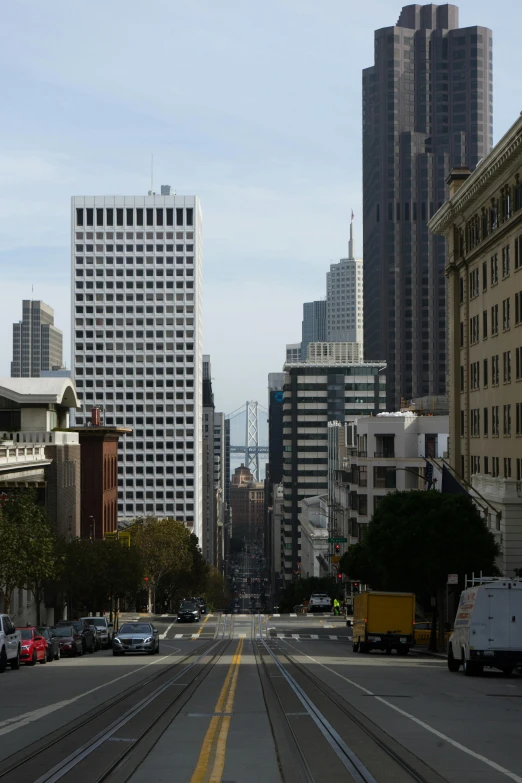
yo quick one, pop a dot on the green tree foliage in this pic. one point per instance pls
(164, 546)
(29, 552)
(97, 573)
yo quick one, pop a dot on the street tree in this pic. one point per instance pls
(415, 539)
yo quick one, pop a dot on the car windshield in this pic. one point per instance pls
(64, 630)
(99, 622)
(135, 628)
(44, 632)
(27, 633)
(187, 606)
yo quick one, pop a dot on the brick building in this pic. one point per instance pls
(247, 504)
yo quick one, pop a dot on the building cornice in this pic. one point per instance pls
(490, 171)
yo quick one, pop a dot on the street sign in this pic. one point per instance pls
(453, 579)
(336, 558)
(337, 540)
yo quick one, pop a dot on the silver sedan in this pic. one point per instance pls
(136, 637)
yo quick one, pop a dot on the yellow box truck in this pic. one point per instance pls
(383, 621)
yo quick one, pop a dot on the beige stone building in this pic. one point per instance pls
(482, 221)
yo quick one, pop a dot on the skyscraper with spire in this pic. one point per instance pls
(344, 297)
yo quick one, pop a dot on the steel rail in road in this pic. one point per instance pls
(59, 770)
(430, 775)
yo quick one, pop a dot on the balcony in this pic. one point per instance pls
(362, 454)
(17, 456)
(46, 437)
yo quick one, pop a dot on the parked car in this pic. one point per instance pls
(104, 627)
(136, 637)
(34, 647)
(71, 642)
(85, 631)
(188, 612)
(201, 604)
(422, 632)
(10, 644)
(52, 643)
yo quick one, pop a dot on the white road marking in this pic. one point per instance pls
(178, 636)
(195, 636)
(16, 722)
(295, 636)
(276, 615)
(293, 615)
(463, 748)
(280, 636)
(314, 636)
(164, 635)
(332, 637)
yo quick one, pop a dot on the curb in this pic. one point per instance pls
(429, 654)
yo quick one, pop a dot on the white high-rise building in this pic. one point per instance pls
(137, 342)
(344, 298)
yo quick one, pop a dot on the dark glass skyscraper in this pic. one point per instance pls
(427, 107)
(314, 325)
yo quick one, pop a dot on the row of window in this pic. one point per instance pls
(493, 322)
(185, 249)
(501, 209)
(474, 370)
(160, 297)
(130, 370)
(108, 285)
(480, 421)
(474, 282)
(492, 466)
(120, 235)
(139, 216)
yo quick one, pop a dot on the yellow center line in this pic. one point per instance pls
(203, 624)
(226, 697)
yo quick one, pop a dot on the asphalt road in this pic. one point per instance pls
(258, 698)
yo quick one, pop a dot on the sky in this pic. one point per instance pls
(254, 107)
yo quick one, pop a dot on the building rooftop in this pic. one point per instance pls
(60, 391)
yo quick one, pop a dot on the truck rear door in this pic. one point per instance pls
(515, 619)
(498, 619)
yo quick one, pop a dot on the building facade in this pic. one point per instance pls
(388, 454)
(344, 298)
(137, 342)
(293, 352)
(37, 343)
(315, 395)
(313, 522)
(482, 222)
(209, 522)
(335, 353)
(427, 106)
(247, 504)
(220, 461)
(314, 325)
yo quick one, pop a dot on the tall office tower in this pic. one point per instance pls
(37, 343)
(314, 325)
(339, 393)
(209, 524)
(427, 107)
(137, 354)
(220, 460)
(274, 475)
(344, 298)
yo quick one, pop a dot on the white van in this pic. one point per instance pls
(488, 628)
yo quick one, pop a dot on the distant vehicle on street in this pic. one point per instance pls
(319, 602)
(136, 637)
(71, 642)
(104, 627)
(52, 643)
(10, 644)
(201, 604)
(188, 612)
(383, 621)
(488, 628)
(422, 632)
(86, 632)
(34, 647)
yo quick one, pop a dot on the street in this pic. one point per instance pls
(258, 698)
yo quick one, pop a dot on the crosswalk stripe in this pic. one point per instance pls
(332, 637)
(178, 636)
(314, 636)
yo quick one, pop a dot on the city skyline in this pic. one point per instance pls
(248, 185)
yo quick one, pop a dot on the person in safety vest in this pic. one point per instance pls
(336, 606)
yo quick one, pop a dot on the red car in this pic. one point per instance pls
(34, 647)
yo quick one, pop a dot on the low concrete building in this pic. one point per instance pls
(313, 519)
(389, 454)
(335, 353)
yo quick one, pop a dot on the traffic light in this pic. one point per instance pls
(355, 587)
(337, 548)
(339, 576)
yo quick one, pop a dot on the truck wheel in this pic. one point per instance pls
(472, 669)
(507, 671)
(403, 649)
(3, 661)
(453, 663)
(355, 647)
(388, 651)
(363, 648)
(15, 663)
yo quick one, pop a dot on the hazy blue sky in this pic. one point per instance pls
(255, 107)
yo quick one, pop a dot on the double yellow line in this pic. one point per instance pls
(212, 756)
(202, 626)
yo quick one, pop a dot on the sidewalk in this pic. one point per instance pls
(425, 651)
